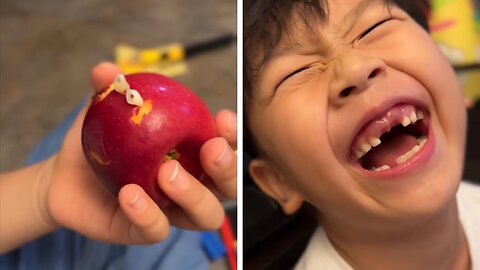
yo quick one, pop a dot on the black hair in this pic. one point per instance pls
(265, 21)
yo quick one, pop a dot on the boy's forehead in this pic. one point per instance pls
(304, 32)
(341, 16)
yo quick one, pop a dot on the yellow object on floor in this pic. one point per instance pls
(165, 60)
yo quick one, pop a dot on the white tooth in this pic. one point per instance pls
(413, 117)
(134, 97)
(419, 115)
(405, 121)
(365, 147)
(413, 151)
(379, 169)
(374, 142)
(359, 154)
(422, 141)
(401, 159)
(408, 154)
(120, 84)
(384, 167)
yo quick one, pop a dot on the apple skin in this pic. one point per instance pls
(121, 151)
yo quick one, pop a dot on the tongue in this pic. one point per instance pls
(387, 152)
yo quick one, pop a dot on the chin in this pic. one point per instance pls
(430, 192)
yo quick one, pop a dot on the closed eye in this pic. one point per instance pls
(292, 74)
(366, 32)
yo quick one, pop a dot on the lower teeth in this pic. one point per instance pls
(421, 141)
(383, 168)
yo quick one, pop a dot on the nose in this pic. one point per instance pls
(353, 74)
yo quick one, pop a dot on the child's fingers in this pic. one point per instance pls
(103, 75)
(202, 209)
(226, 122)
(220, 163)
(150, 225)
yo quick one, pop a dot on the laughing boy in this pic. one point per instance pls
(351, 108)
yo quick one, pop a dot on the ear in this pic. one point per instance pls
(270, 181)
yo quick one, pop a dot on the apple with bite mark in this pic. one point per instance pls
(137, 123)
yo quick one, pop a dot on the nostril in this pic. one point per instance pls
(346, 92)
(374, 73)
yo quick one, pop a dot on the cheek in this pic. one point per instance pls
(340, 124)
(294, 134)
(293, 125)
(420, 58)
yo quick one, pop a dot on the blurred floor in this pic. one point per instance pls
(47, 49)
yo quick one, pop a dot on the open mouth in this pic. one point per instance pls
(391, 139)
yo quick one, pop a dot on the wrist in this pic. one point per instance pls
(24, 205)
(42, 193)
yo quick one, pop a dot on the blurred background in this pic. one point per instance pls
(48, 47)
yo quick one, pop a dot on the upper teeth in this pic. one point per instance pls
(412, 118)
(375, 142)
(367, 146)
(370, 143)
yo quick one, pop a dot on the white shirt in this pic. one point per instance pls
(320, 253)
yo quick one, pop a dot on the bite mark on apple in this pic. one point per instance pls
(172, 154)
(105, 93)
(96, 157)
(141, 112)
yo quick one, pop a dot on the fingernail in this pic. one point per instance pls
(232, 122)
(179, 179)
(225, 157)
(138, 203)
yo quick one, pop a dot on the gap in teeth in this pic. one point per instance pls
(412, 118)
(421, 141)
(374, 142)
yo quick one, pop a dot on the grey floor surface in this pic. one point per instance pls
(48, 47)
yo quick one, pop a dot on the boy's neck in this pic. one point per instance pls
(438, 243)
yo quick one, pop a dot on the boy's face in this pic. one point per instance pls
(323, 95)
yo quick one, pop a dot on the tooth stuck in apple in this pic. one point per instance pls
(137, 123)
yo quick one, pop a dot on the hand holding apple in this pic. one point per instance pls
(139, 122)
(76, 199)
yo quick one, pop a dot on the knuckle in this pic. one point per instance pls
(156, 232)
(228, 186)
(159, 235)
(216, 223)
(197, 201)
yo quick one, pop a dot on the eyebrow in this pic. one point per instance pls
(350, 19)
(353, 15)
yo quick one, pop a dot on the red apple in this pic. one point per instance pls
(127, 143)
